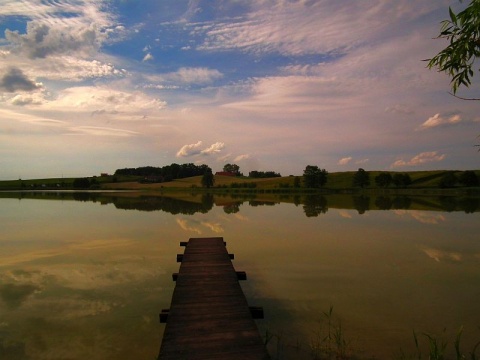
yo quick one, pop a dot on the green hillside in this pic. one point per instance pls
(336, 181)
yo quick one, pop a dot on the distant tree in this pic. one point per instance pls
(232, 168)
(314, 177)
(448, 180)
(401, 180)
(207, 179)
(463, 34)
(81, 183)
(383, 180)
(361, 178)
(263, 174)
(296, 182)
(469, 178)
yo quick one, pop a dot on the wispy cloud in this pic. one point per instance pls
(101, 131)
(186, 75)
(420, 159)
(399, 109)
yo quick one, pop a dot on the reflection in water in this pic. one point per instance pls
(313, 205)
(14, 295)
(80, 280)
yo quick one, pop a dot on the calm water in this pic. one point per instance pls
(83, 279)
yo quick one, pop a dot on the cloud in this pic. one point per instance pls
(420, 159)
(189, 75)
(95, 98)
(70, 68)
(42, 40)
(101, 131)
(27, 99)
(190, 150)
(345, 160)
(441, 255)
(439, 120)
(215, 227)
(399, 109)
(307, 27)
(148, 57)
(362, 161)
(195, 149)
(214, 148)
(242, 157)
(15, 80)
(189, 225)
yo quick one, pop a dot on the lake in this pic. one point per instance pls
(85, 275)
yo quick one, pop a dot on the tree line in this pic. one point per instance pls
(165, 173)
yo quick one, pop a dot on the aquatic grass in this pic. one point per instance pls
(437, 348)
(330, 343)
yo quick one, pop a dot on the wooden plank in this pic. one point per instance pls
(209, 317)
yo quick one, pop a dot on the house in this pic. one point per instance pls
(225, 173)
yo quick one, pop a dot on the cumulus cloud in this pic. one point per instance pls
(190, 150)
(441, 120)
(15, 80)
(41, 40)
(148, 57)
(422, 158)
(27, 99)
(345, 160)
(214, 148)
(195, 149)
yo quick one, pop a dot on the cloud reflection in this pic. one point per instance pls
(424, 217)
(440, 255)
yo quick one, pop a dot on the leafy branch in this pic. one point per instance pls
(462, 31)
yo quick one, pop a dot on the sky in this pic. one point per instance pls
(91, 86)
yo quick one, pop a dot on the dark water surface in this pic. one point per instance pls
(84, 276)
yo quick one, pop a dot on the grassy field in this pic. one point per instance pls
(337, 181)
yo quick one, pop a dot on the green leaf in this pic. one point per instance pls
(452, 16)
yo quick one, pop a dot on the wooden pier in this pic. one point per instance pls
(209, 317)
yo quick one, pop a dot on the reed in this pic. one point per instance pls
(438, 348)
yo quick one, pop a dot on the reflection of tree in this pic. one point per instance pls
(361, 203)
(399, 202)
(315, 205)
(262, 203)
(402, 202)
(469, 205)
(14, 295)
(84, 196)
(448, 203)
(383, 203)
(173, 206)
(231, 208)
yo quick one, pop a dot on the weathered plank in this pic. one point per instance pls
(209, 317)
